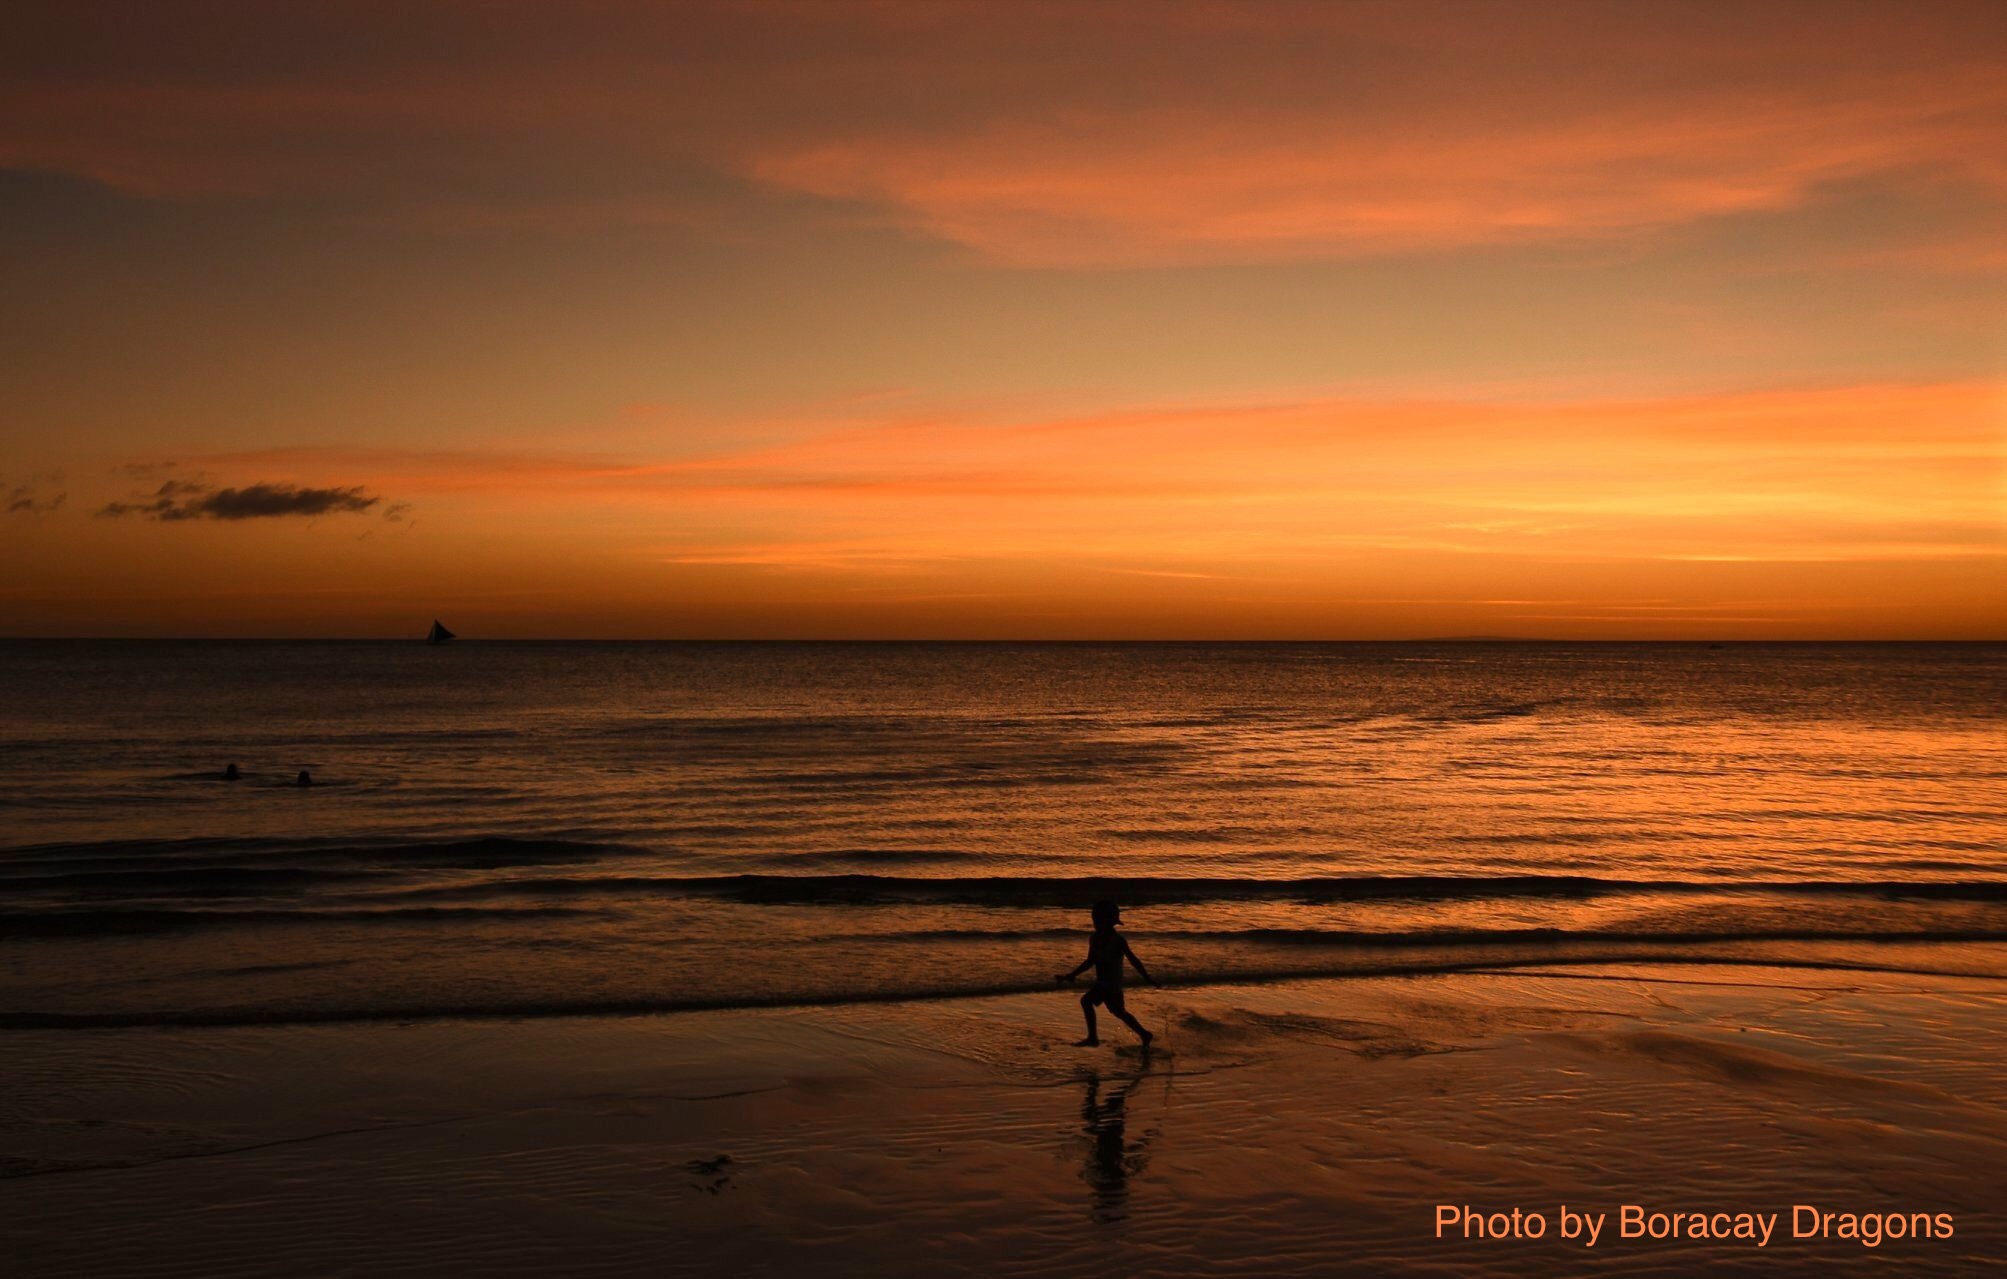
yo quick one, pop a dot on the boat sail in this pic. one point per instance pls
(438, 634)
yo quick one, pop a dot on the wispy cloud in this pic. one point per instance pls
(1185, 185)
(1855, 474)
(32, 496)
(1131, 133)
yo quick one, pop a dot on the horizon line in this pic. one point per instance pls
(1137, 640)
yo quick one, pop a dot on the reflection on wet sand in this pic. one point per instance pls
(1112, 1157)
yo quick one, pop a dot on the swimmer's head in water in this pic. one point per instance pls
(1107, 914)
(304, 779)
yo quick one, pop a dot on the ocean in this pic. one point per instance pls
(526, 829)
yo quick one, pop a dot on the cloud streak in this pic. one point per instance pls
(1858, 474)
(1048, 135)
(177, 500)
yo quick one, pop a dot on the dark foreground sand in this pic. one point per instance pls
(1296, 1128)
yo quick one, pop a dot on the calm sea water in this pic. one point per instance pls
(525, 828)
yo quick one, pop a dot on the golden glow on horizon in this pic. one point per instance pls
(1011, 320)
(1704, 515)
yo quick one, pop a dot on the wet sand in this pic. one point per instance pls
(1289, 1128)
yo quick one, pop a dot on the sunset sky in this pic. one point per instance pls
(1013, 320)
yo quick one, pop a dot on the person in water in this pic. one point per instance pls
(304, 779)
(230, 773)
(1107, 950)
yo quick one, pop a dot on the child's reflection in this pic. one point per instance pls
(1112, 1158)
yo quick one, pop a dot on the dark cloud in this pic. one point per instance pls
(27, 497)
(25, 501)
(257, 501)
(185, 500)
(158, 507)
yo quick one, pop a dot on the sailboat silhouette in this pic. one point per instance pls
(438, 634)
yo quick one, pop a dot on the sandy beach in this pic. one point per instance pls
(1287, 1128)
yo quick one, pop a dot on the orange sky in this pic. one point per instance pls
(983, 320)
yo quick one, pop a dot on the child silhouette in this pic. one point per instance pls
(1106, 951)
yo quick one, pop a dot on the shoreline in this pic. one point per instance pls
(1314, 1123)
(1838, 954)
